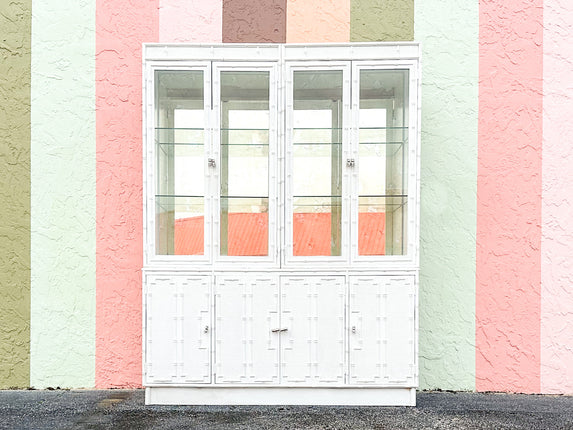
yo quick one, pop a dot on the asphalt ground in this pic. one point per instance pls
(124, 409)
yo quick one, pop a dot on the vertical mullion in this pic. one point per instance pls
(336, 179)
(346, 147)
(353, 151)
(207, 151)
(216, 147)
(272, 159)
(288, 211)
(223, 114)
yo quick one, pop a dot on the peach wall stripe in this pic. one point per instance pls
(557, 208)
(121, 28)
(318, 21)
(508, 258)
(192, 21)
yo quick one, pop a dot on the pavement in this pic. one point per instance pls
(125, 409)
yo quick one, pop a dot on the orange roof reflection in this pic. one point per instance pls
(248, 234)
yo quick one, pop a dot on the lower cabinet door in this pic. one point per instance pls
(382, 330)
(312, 317)
(247, 329)
(178, 329)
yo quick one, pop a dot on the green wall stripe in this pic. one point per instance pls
(448, 192)
(15, 57)
(63, 194)
(381, 20)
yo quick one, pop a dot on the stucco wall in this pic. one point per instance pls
(63, 194)
(448, 192)
(509, 196)
(254, 22)
(496, 243)
(557, 200)
(15, 24)
(384, 20)
(121, 28)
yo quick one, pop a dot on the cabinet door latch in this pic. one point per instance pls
(350, 162)
(278, 330)
(211, 162)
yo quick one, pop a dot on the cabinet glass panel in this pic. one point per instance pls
(382, 141)
(179, 147)
(317, 163)
(244, 163)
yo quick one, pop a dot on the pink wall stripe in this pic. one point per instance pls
(508, 259)
(557, 244)
(193, 21)
(318, 21)
(121, 28)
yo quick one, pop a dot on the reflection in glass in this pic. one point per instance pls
(179, 147)
(317, 163)
(247, 225)
(383, 119)
(244, 164)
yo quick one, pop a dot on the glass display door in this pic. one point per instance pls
(312, 171)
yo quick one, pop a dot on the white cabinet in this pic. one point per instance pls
(312, 315)
(382, 330)
(281, 187)
(178, 335)
(247, 311)
(302, 330)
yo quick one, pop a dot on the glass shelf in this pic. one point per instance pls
(178, 196)
(318, 196)
(317, 128)
(244, 129)
(317, 203)
(244, 144)
(244, 197)
(180, 143)
(383, 195)
(383, 143)
(180, 128)
(317, 143)
(383, 128)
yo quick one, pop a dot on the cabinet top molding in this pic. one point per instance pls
(282, 52)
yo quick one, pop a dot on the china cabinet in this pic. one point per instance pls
(281, 199)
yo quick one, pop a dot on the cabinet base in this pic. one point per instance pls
(280, 396)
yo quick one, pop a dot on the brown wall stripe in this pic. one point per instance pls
(15, 77)
(247, 21)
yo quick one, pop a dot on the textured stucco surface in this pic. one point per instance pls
(318, 21)
(15, 28)
(508, 258)
(557, 209)
(63, 194)
(198, 21)
(448, 192)
(121, 28)
(384, 20)
(515, 281)
(247, 21)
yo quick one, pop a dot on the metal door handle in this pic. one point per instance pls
(211, 162)
(350, 162)
(206, 329)
(278, 330)
(353, 329)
